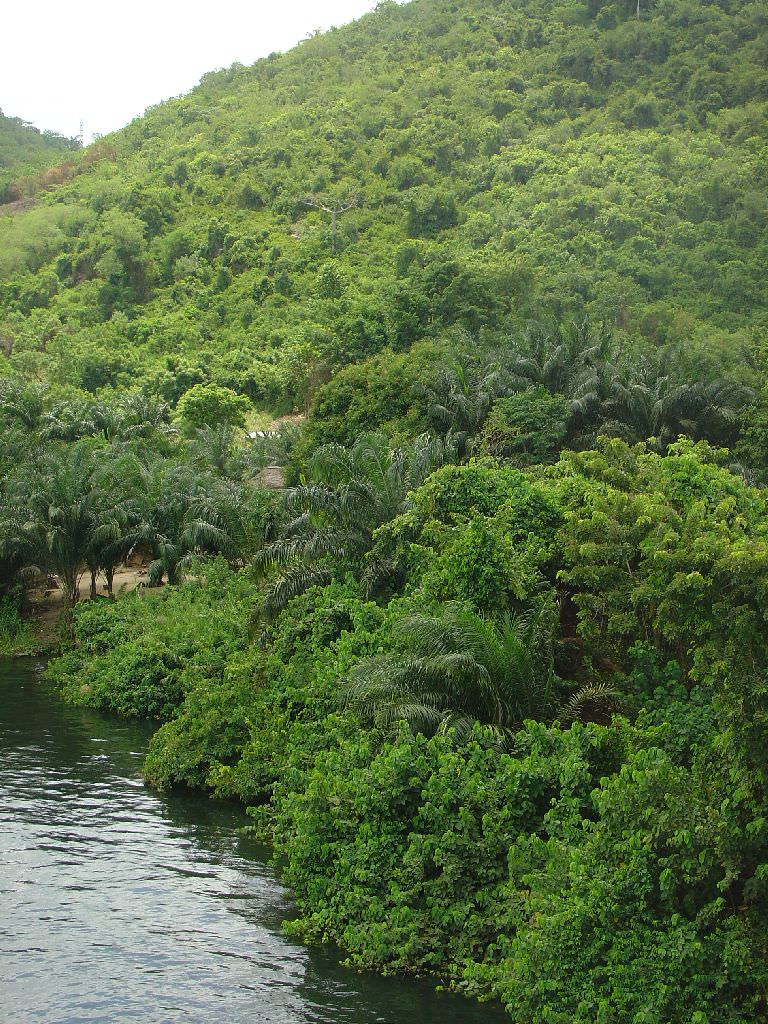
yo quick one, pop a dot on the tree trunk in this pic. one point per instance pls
(71, 589)
(94, 574)
(109, 574)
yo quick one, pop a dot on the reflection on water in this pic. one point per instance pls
(117, 904)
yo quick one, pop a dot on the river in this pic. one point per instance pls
(119, 904)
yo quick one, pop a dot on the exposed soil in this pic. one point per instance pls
(296, 418)
(18, 206)
(44, 606)
(271, 478)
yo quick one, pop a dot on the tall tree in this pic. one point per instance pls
(331, 518)
(52, 514)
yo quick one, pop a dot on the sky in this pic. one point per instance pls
(103, 62)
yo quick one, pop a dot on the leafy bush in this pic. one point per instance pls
(209, 405)
(628, 919)
(142, 654)
(528, 428)
(407, 853)
(14, 631)
(239, 731)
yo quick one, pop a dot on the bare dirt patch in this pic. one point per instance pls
(44, 605)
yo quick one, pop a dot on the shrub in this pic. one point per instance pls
(141, 655)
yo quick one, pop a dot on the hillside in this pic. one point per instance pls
(480, 640)
(502, 162)
(24, 150)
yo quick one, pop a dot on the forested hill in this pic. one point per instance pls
(502, 161)
(25, 150)
(488, 661)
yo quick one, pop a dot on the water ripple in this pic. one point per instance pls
(117, 905)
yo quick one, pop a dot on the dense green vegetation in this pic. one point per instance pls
(504, 161)
(24, 153)
(491, 671)
(607, 856)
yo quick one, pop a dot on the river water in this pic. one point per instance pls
(119, 904)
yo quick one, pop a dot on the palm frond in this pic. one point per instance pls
(595, 702)
(462, 667)
(293, 580)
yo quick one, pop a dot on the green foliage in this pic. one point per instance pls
(634, 914)
(27, 244)
(655, 548)
(329, 521)
(24, 152)
(451, 671)
(209, 727)
(528, 428)
(208, 405)
(477, 533)
(141, 655)
(482, 565)
(378, 394)
(456, 492)
(509, 259)
(15, 635)
(593, 871)
(497, 164)
(406, 853)
(430, 211)
(268, 712)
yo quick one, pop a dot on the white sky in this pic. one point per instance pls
(105, 61)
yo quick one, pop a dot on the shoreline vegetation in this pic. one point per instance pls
(419, 376)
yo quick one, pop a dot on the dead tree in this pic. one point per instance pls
(334, 212)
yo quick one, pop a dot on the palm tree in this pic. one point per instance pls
(460, 397)
(70, 421)
(330, 520)
(459, 668)
(15, 551)
(143, 415)
(176, 512)
(571, 359)
(712, 409)
(22, 401)
(594, 702)
(110, 537)
(556, 357)
(212, 448)
(52, 515)
(641, 404)
(647, 400)
(137, 416)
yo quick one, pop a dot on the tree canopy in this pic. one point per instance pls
(423, 369)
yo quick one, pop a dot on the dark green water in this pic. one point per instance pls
(117, 904)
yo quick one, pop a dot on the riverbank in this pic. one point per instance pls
(43, 608)
(142, 906)
(525, 869)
